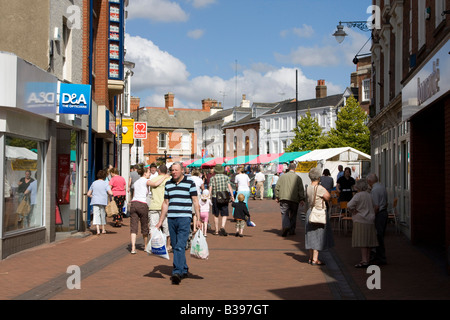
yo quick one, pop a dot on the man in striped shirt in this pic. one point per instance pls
(179, 196)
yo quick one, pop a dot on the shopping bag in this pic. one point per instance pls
(111, 208)
(250, 223)
(199, 246)
(157, 244)
(24, 207)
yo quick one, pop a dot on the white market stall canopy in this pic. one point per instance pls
(335, 154)
(19, 153)
(330, 159)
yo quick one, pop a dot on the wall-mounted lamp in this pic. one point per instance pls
(340, 33)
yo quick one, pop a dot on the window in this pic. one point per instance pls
(162, 140)
(440, 8)
(186, 142)
(67, 52)
(23, 183)
(283, 124)
(365, 92)
(268, 147)
(276, 124)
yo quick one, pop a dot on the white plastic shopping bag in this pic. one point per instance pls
(157, 244)
(199, 246)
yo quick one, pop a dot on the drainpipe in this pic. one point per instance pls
(91, 163)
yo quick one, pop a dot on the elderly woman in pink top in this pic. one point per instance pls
(118, 188)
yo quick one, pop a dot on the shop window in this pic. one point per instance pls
(23, 187)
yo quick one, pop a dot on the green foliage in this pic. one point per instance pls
(350, 131)
(307, 134)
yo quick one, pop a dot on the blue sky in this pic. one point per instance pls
(221, 49)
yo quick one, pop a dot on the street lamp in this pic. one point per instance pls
(340, 33)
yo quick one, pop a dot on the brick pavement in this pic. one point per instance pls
(260, 266)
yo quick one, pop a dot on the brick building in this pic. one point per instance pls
(170, 130)
(410, 116)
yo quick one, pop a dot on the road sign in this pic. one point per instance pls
(140, 130)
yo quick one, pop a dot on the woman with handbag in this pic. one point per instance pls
(364, 234)
(318, 233)
(98, 192)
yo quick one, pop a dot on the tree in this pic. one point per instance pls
(307, 134)
(350, 130)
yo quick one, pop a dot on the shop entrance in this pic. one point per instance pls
(68, 213)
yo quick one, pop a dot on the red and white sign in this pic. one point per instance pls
(140, 130)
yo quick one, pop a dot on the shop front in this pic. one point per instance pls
(34, 143)
(426, 106)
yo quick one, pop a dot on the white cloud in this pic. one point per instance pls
(157, 11)
(202, 3)
(154, 67)
(158, 72)
(330, 54)
(196, 34)
(305, 31)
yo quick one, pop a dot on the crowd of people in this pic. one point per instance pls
(179, 202)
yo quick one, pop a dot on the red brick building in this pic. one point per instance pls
(170, 130)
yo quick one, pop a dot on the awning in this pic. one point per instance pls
(198, 163)
(265, 158)
(188, 162)
(289, 156)
(240, 160)
(213, 162)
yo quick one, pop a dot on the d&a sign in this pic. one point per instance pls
(74, 98)
(140, 130)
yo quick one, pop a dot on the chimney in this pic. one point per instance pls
(169, 97)
(321, 89)
(207, 104)
(134, 104)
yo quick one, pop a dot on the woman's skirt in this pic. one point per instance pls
(364, 235)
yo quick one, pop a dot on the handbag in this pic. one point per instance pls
(111, 208)
(24, 207)
(223, 197)
(318, 215)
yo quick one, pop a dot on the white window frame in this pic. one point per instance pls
(162, 138)
(365, 90)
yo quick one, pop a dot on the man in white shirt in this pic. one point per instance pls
(259, 183)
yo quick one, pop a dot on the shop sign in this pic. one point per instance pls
(430, 82)
(140, 130)
(74, 98)
(305, 166)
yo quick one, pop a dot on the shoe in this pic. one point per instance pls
(309, 261)
(285, 232)
(317, 263)
(241, 235)
(237, 234)
(223, 232)
(176, 278)
(184, 276)
(133, 252)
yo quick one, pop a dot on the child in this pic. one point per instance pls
(205, 205)
(241, 214)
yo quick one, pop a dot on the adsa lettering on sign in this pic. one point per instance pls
(74, 98)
